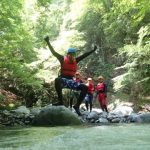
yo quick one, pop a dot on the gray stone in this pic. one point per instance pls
(145, 118)
(103, 120)
(22, 109)
(93, 115)
(55, 115)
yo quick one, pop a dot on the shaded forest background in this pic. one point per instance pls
(120, 29)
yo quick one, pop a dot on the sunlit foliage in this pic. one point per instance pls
(119, 28)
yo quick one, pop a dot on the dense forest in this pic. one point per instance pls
(119, 28)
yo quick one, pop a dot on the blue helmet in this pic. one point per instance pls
(71, 50)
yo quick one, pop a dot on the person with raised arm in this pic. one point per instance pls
(68, 69)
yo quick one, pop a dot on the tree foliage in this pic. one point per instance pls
(16, 49)
(119, 28)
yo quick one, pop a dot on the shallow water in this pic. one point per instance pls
(112, 137)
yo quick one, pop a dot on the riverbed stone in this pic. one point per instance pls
(21, 110)
(103, 120)
(123, 110)
(93, 115)
(55, 115)
(145, 117)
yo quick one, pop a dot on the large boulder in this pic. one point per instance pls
(122, 111)
(140, 118)
(56, 115)
(145, 117)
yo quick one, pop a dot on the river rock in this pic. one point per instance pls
(21, 110)
(103, 120)
(123, 111)
(93, 115)
(140, 118)
(56, 115)
(35, 110)
(145, 117)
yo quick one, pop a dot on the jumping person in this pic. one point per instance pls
(68, 69)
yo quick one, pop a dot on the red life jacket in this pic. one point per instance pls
(100, 87)
(79, 80)
(90, 88)
(69, 69)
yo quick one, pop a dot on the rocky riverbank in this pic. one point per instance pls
(60, 115)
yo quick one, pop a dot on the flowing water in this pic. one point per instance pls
(112, 137)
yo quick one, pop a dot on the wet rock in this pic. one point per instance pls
(93, 115)
(35, 111)
(55, 115)
(22, 109)
(144, 118)
(139, 118)
(115, 120)
(60, 115)
(103, 120)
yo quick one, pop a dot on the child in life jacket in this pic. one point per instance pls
(78, 77)
(101, 92)
(89, 96)
(75, 93)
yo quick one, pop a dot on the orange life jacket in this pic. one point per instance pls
(69, 69)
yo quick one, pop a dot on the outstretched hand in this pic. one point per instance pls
(46, 38)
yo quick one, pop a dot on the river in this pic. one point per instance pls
(106, 137)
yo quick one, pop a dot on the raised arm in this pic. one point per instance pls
(79, 58)
(52, 49)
